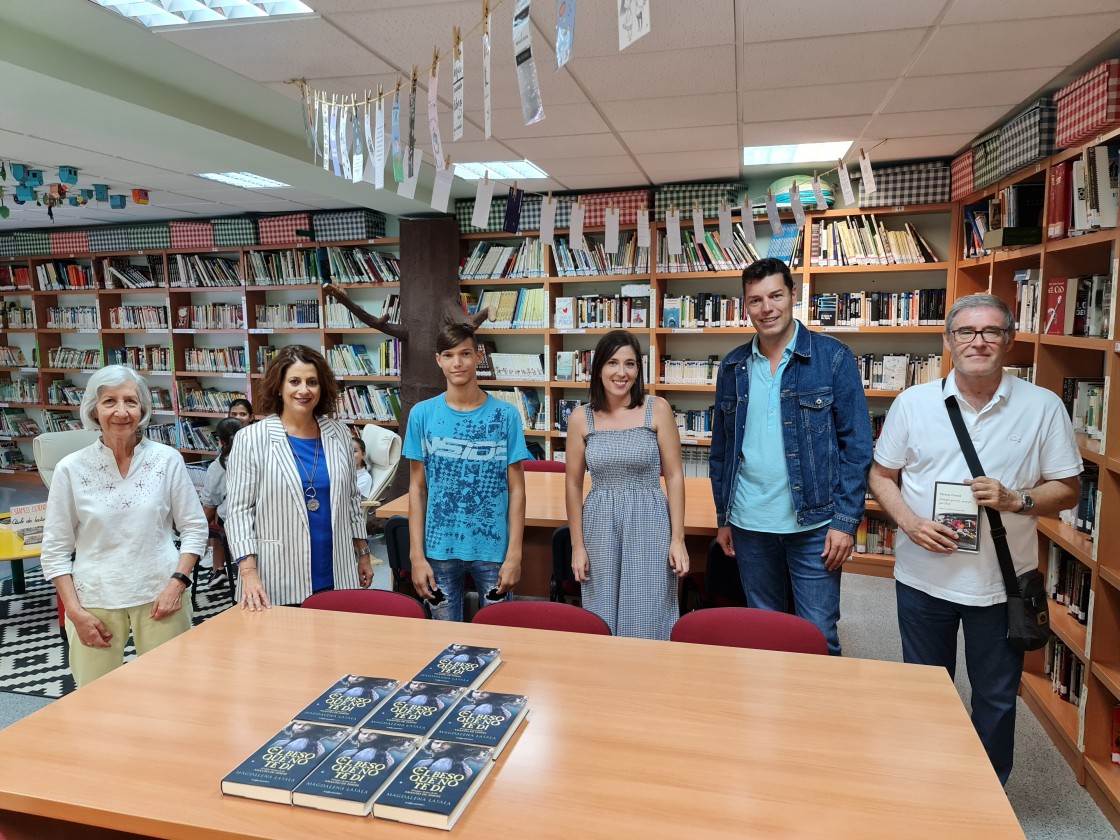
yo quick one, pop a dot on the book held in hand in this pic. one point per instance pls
(955, 507)
(485, 719)
(352, 776)
(461, 665)
(414, 709)
(273, 771)
(349, 701)
(435, 785)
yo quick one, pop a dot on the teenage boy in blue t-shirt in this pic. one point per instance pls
(466, 491)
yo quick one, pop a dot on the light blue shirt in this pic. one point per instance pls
(762, 499)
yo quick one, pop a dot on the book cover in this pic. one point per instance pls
(671, 312)
(564, 409)
(464, 666)
(1058, 209)
(435, 786)
(1060, 306)
(1083, 296)
(273, 771)
(485, 719)
(414, 709)
(1116, 734)
(563, 318)
(349, 701)
(352, 776)
(955, 507)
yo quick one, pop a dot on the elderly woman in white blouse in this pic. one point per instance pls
(108, 540)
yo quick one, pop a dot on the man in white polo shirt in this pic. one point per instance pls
(1025, 443)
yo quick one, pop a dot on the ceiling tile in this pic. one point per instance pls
(573, 146)
(682, 139)
(672, 175)
(508, 123)
(595, 182)
(918, 148)
(837, 58)
(1008, 88)
(670, 112)
(674, 25)
(926, 123)
(606, 165)
(766, 21)
(981, 11)
(804, 131)
(652, 75)
(818, 100)
(710, 159)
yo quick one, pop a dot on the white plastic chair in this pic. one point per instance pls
(52, 447)
(383, 456)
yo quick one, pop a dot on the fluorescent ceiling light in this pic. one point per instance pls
(796, 153)
(502, 170)
(243, 179)
(179, 12)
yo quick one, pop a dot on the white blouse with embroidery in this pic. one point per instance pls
(120, 530)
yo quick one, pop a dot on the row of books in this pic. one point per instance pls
(594, 311)
(368, 402)
(897, 371)
(350, 359)
(210, 316)
(11, 458)
(138, 317)
(414, 751)
(14, 422)
(1074, 305)
(194, 271)
(193, 397)
(529, 407)
(19, 390)
(265, 354)
(874, 536)
(193, 435)
(865, 240)
(215, 359)
(11, 356)
(1084, 398)
(1084, 517)
(694, 422)
(1066, 671)
(60, 421)
(120, 273)
(298, 315)
(505, 366)
(161, 398)
(362, 265)
(166, 433)
(18, 317)
(72, 357)
(921, 307)
(704, 309)
(64, 392)
(710, 253)
(516, 309)
(975, 229)
(145, 357)
(575, 365)
(689, 371)
(491, 260)
(590, 260)
(283, 268)
(73, 317)
(64, 274)
(1069, 583)
(339, 317)
(1083, 194)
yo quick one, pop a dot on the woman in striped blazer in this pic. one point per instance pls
(294, 513)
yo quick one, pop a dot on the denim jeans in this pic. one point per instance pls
(928, 626)
(450, 577)
(768, 563)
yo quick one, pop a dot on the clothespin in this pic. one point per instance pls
(399, 80)
(458, 42)
(415, 71)
(550, 196)
(447, 161)
(380, 93)
(515, 186)
(435, 60)
(485, 17)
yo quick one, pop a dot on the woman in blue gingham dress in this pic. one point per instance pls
(628, 540)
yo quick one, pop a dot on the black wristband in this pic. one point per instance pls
(183, 579)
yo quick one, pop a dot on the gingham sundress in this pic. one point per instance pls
(626, 532)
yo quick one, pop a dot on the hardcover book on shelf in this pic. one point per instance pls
(485, 719)
(464, 666)
(1061, 296)
(435, 785)
(349, 701)
(274, 771)
(563, 318)
(955, 507)
(414, 709)
(352, 776)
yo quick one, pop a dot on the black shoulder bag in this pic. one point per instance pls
(1028, 614)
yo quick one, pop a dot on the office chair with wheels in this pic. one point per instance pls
(368, 601)
(383, 457)
(542, 615)
(750, 628)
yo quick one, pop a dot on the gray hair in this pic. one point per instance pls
(111, 377)
(981, 301)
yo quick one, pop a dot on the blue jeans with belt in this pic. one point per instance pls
(450, 578)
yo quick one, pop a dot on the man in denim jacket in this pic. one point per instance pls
(791, 446)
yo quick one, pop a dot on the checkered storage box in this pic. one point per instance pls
(917, 183)
(32, 243)
(1089, 106)
(8, 246)
(149, 237)
(1028, 137)
(234, 232)
(530, 213)
(628, 202)
(346, 225)
(66, 242)
(685, 197)
(282, 230)
(191, 236)
(464, 211)
(962, 176)
(985, 159)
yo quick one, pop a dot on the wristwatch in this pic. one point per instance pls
(183, 579)
(364, 552)
(1027, 499)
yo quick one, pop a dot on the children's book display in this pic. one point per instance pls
(415, 751)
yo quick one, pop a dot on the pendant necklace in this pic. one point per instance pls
(310, 492)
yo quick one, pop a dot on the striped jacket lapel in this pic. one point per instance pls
(282, 456)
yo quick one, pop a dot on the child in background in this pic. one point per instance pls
(365, 480)
(214, 497)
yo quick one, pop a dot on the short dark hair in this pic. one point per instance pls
(452, 335)
(244, 403)
(225, 430)
(270, 402)
(608, 345)
(361, 444)
(761, 269)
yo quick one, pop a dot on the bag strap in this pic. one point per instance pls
(995, 521)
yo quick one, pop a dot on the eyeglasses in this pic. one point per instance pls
(991, 335)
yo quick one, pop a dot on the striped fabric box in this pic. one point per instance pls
(1028, 137)
(346, 225)
(8, 246)
(962, 177)
(985, 159)
(686, 196)
(1089, 106)
(108, 239)
(149, 237)
(917, 183)
(191, 236)
(628, 202)
(66, 242)
(282, 230)
(234, 232)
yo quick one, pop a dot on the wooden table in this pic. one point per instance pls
(628, 738)
(545, 511)
(12, 550)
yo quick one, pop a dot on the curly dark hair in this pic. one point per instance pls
(269, 400)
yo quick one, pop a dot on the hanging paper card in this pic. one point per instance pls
(548, 220)
(407, 187)
(483, 196)
(818, 194)
(846, 184)
(726, 237)
(575, 228)
(565, 30)
(512, 221)
(698, 225)
(344, 140)
(772, 213)
(441, 190)
(673, 232)
(379, 144)
(410, 170)
(335, 114)
(610, 224)
(486, 70)
(433, 115)
(795, 205)
(643, 228)
(747, 213)
(457, 86)
(633, 23)
(325, 135)
(316, 121)
(867, 173)
(308, 116)
(360, 118)
(532, 109)
(398, 159)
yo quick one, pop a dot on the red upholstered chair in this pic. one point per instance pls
(542, 615)
(544, 466)
(368, 601)
(750, 628)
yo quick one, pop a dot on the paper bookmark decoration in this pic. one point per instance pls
(458, 85)
(441, 189)
(747, 212)
(633, 21)
(548, 220)
(407, 187)
(867, 173)
(772, 213)
(483, 196)
(344, 139)
(532, 109)
(643, 228)
(846, 184)
(512, 221)
(697, 224)
(486, 69)
(411, 170)
(398, 160)
(565, 30)
(378, 141)
(610, 224)
(673, 232)
(335, 113)
(433, 113)
(575, 227)
(726, 236)
(324, 135)
(359, 119)
(795, 205)
(818, 194)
